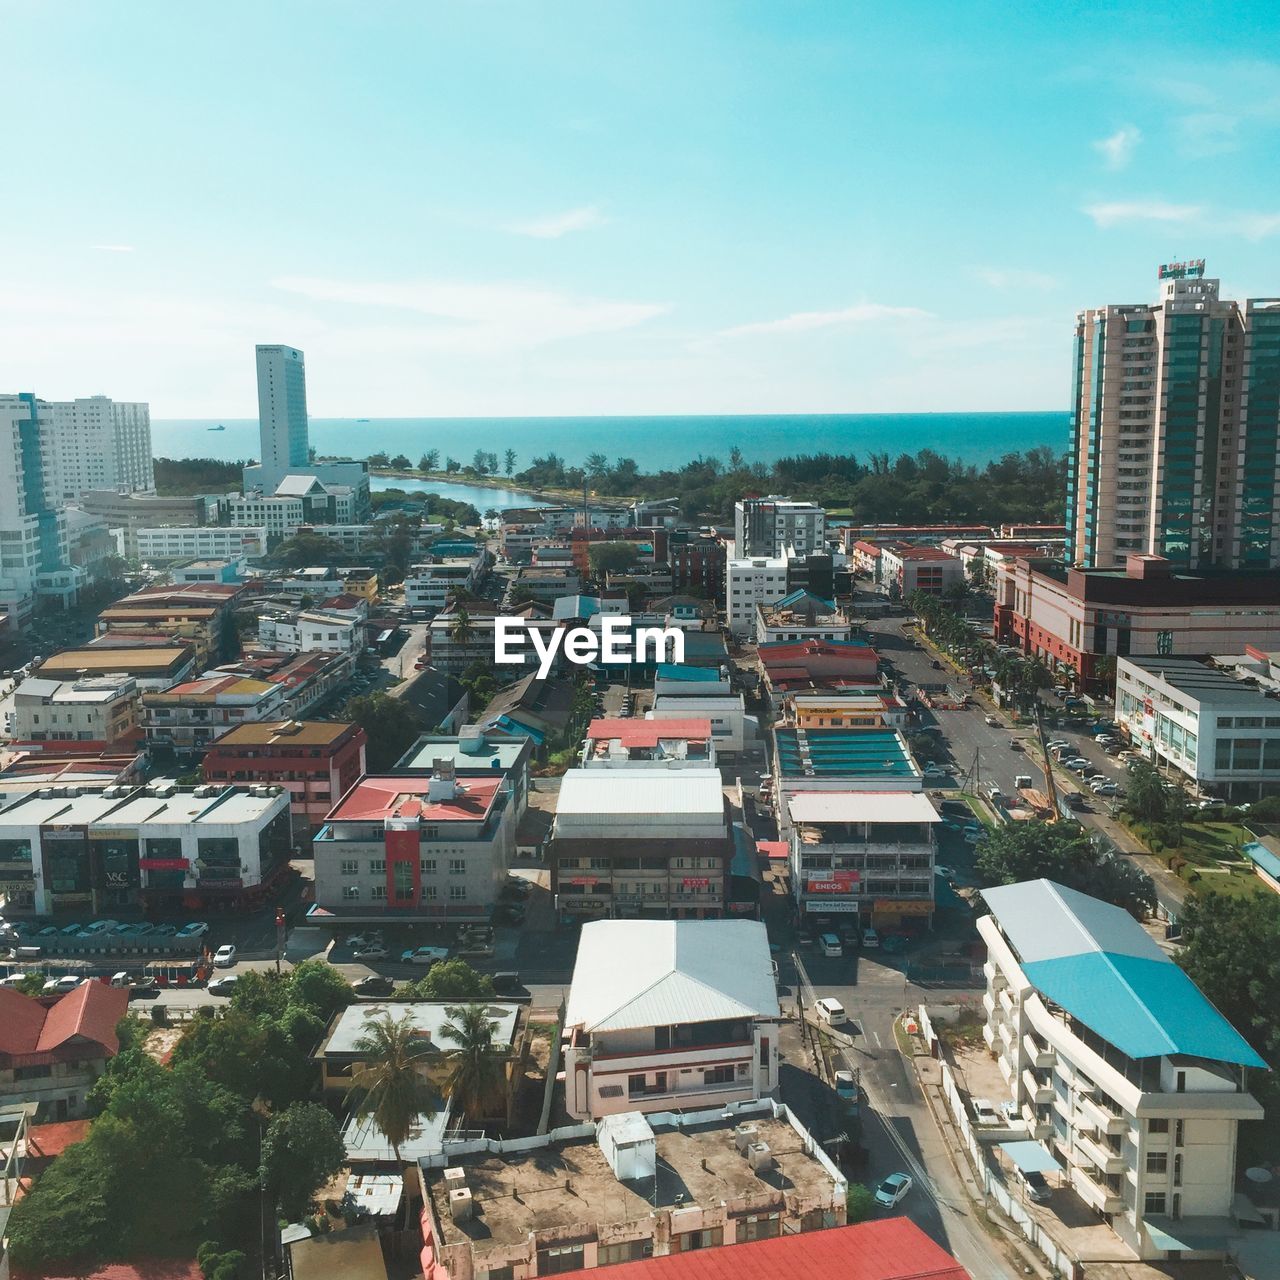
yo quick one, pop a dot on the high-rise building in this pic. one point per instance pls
(776, 526)
(101, 444)
(1174, 429)
(33, 532)
(282, 412)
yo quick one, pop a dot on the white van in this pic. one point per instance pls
(829, 1010)
(831, 945)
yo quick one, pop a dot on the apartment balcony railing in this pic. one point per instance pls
(1039, 1091)
(995, 979)
(1038, 1055)
(989, 1003)
(1008, 1001)
(1099, 1117)
(1097, 1194)
(1100, 1154)
(1038, 1125)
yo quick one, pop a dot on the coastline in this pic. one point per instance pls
(563, 497)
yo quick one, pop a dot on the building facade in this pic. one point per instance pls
(282, 413)
(99, 443)
(1175, 415)
(95, 709)
(201, 542)
(748, 584)
(931, 570)
(776, 526)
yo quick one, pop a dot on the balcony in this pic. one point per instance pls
(989, 1003)
(1008, 1037)
(1100, 1154)
(1008, 1001)
(1096, 1194)
(1038, 1126)
(1098, 1117)
(1039, 1091)
(989, 1036)
(1038, 1057)
(995, 979)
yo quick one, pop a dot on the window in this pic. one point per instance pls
(1160, 1125)
(350, 867)
(688, 1241)
(351, 893)
(758, 1227)
(608, 1254)
(718, 1075)
(1154, 1202)
(378, 893)
(428, 866)
(457, 867)
(457, 893)
(378, 866)
(1157, 1162)
(567, 1257)
(429, 893)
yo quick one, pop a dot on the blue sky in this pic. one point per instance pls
(614, 207)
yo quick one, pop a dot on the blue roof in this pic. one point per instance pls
(678, 671)
(1030, 1157)
(508, 725)
(801, 594)
(1262, 857)
(1099, 964)
(843, 753)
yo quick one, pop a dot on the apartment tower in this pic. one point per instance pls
(282, 413)
(98, 444)
(1174, 429)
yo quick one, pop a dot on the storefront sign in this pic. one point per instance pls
(831, 908)
(695, 882)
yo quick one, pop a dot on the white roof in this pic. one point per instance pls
(650, 791)
(656, 973)
(862, 806)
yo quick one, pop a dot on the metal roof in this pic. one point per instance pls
(657, 973)
(631, 791)
(1099, 964)
(862, 806)
(427, 1018)
(1030, 1157)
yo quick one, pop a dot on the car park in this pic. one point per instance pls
(1034, 1183)
(225, 956)
(893, 1190)
(424, 955)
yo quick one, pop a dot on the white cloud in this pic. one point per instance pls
(1014, 278)
(1117, 149)
(555, 225)
(1111, 213)
(475, 318)
(113, 248)
(1208, 133)
(804, 321)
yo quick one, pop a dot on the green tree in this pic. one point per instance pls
(476, 1077)
(509, 461)
(451, 980)
(400, 463)
(217, 1263)
(451, 465)
(860, 1203)
(429, 460)
(301, 1150)
(390, 723)
(461, 629)
(391, 1088)
(1146, 798)
(612, 557)
(32, 984)
(480, 462)
(378, 459)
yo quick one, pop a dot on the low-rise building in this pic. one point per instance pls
(315, 761)
(162, 847)
(1081, 621)
(220, 571)
(545, 584)
(905, 568)
(153, 666)
(1118, 1064)
(51, 1054)
(158, 544)
(748, 583)
(863, 857)
(403, 844)
(849, 709)
(801, 615)
(428, 586)
(96, 709)
(643, 842)
(670, 1014)
(312, 631)
(196, 625)
(808, 665)
(538, 709)
(631, 743)
(631, 1187)
(697, 559)
(732, 729)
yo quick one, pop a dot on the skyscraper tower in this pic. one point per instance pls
(282, 412)
(1174, 429)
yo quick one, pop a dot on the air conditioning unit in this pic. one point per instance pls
(460, 1204)
(744, 1136)
(760, 1157)
(454, 1178)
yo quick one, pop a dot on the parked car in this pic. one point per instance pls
(1078, 764)
(1057, 744)
(1105, 789)
(893, 1190)
(225, 956)
(13, 980)
(197, 929)
(98, 928)
(373, 987)
(984, 1111)
(225, 985)
(993, 721)
(67, 983)
(1034, 1184)
(870, 938)
(509, 913)
(424, 955)
(358, 941)
(373, 951)
(507, 983)
(846, 1086)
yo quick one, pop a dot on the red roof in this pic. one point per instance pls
(888, 1249)
(773, 848)
(647, 733)
(375, 799)
(149, 1269)
(44, 1141)
(90, 1012)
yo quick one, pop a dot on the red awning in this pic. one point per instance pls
(774, 848)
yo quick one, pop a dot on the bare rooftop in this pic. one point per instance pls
(571, 1182)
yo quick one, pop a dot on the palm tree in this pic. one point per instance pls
(391, 1087)
(461, 629)
(477, 1075)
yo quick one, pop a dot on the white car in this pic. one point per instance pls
(224, 986)
(373, 951)
(424, 955)
(893, 1189)
(225, 956)
(68, 983)
(984, 1111)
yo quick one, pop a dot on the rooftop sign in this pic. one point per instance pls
(1193, 268)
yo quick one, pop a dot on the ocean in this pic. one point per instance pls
(655, 443)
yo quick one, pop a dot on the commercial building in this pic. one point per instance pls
(1081, 620)
(630, 743)
(101, 444)
(846, 710)
(798, 616)
(475, 752)
(282, 412)
(905, 568)
(155, 664)
(405, 844)
(697, 558)
(312, 631)
(1200, 718)
(34, 551)
(429, 585)
(644, 842)
(1119, 1065)
(669, 1014)
(79, 851)
(198, 625)
(315, 761)
(159, 544)
(775, 526)
(749, 583)
(863, 857)
(50, 1055)
(1174, 429)
(96, 709)
(631, 1187)
(224, 572)
(842, 760)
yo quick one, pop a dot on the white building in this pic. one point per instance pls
(428, 586)
(1203, 721)
(282, 413)
(670, 1014)
(773, 526)
(209, 542)
(631, 744)
(1130, 1077)
(93, 709)
(98, 443)
(748, 583)
(312, 631)
(731, 727)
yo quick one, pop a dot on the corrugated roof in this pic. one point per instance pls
(890, 1249)
(375, 799)
(1099, 964)
(862, 806)
(653, 973)
(275, 733)
(632, 791)
(648, 733)
(678, 671)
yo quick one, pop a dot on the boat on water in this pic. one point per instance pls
(219, 427)
(362, 419)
